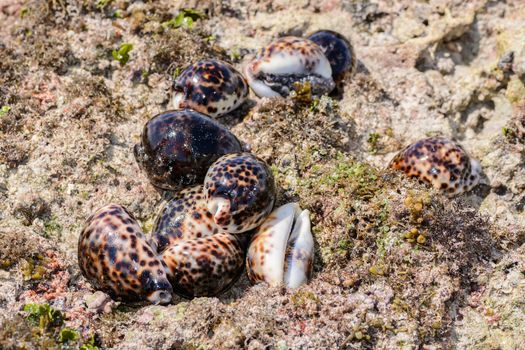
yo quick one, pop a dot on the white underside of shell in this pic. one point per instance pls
(294, 63)
(475, 167)
(286, 63)
(300, 258)
(177, 100)
(258, 86)
(223, 106)
(282, 249)
(475, 171)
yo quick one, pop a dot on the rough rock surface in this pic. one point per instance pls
(397, 264)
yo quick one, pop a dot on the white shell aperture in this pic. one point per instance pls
(282, 249)
(285, 62)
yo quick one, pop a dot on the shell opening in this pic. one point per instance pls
(160, 297)
(220, 209)
(299, 257)
(281, 250)
(258, 86)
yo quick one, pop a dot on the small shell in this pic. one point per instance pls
(115, 257)
(286, 62)
(240, 192)
(178, 147)
(212, 87)
(282, 249)
(338, 50)
(439, 162)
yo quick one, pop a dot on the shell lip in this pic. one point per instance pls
(219, 207)
(281, 251)
(160, 297)
(179, 100)
(284, 84)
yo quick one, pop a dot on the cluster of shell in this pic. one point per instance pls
(221, 216)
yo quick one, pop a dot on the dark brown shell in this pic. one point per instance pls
(338, 50)
(178, 147)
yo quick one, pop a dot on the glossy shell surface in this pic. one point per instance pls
(240, 192)
(185, 216)
(281, 251)
(115, 257)
(338, 50)
(204, 266)
(287, 64)
(439, 162)
(211, 87)
(178, 147)
(201, 259)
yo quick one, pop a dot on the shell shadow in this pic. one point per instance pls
(237, 115)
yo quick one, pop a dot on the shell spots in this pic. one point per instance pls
(441, 163)
(178, 147)
(286, 63)
(211, 87)
(109, 260)
(185, 217)
(282, 248)
(204, 266)
(240, 192)
(338, 50)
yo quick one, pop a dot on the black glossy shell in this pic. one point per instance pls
(178, 147)
(338, 50)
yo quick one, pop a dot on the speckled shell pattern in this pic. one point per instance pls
(211, 87)
(115, 256)
(177, 148)
(185, 216)
(439, 162)
(240, 191)
(205, 266)
(281, 251)
(287, 61)
(201, 258)
(339, 52)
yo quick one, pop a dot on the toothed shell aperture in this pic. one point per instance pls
(212, 87)
(178, 147)
(115, 257)
(240, 192)
(287, 63)
(282, 248)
